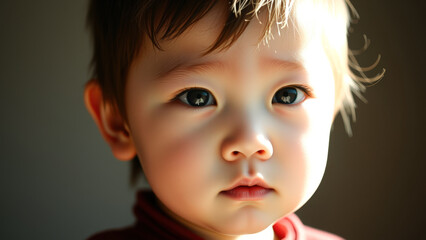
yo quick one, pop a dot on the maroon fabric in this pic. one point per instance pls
(291, 228)
(152, 223)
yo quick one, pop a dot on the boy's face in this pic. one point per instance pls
(251, 114)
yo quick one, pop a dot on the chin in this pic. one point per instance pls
(246, 224)
(242, 230)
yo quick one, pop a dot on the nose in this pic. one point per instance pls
(245, 143)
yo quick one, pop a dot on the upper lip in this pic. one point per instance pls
(249, 182)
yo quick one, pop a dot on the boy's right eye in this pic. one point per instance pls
(196, 97)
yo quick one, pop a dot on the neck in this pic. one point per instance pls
(267, 233)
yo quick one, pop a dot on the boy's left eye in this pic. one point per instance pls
(196, 97)
(289, 95)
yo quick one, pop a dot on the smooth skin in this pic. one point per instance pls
(190, 154)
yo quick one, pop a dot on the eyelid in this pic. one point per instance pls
(176, 94)
(305, 88)
(183, 91)
(179, 93)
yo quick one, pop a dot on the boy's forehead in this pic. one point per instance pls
(287, 44)
(190, 47)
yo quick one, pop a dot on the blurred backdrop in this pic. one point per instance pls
(59, 179)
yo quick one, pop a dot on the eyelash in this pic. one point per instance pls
(181, 97)
(183, 94)
(305, 90)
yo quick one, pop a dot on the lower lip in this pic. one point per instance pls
(246, 193)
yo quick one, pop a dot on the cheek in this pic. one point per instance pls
(175, 161)
(181, 162)
(299, 164)
(301, 148)
(315, 148)
(173, 151)
(314, 141)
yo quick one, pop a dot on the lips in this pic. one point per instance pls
(248, 190)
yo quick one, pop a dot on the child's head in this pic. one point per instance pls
(212, 95)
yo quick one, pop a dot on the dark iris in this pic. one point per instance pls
(286, 95)
(198, 97)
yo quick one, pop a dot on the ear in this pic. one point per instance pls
(111, 124)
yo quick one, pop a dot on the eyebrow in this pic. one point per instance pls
(282, 64)
(181, 69)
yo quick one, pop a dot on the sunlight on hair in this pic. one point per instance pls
(278, 13)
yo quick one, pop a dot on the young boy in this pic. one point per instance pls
(228, 107)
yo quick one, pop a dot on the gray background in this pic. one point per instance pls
(59, 180)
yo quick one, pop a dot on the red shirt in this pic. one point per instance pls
(152, 223)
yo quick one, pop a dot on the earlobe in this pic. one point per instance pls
(110, 123)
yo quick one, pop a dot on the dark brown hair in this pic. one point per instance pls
(120, 27)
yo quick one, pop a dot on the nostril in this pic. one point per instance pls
(261, 152)
(235, 153)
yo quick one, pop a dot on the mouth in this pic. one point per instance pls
(248, 190)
